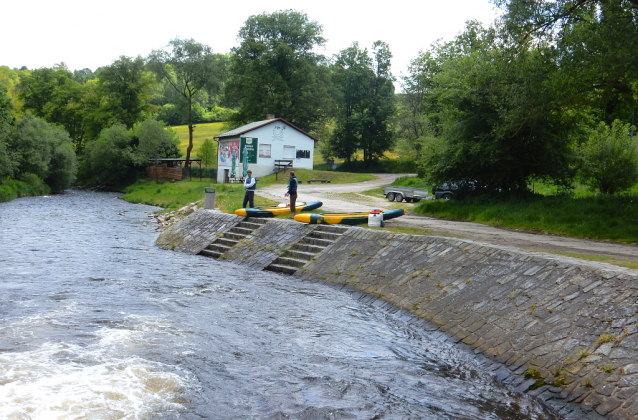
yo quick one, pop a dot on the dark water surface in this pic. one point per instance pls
(96, 322)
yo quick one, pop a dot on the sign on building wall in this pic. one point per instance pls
(228, 151)
(248, 149)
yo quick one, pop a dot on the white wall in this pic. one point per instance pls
(275, 135)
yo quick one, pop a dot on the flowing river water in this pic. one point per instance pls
(96, 322)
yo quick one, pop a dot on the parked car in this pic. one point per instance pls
(447, 190)
(408, 194)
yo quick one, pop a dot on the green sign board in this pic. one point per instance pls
(248, 148)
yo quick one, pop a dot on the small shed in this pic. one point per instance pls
(168, 168)
(268, 146)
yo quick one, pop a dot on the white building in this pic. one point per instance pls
(267, 145)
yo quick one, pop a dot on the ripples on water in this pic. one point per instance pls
(99, 323)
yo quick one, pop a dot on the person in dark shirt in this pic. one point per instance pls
(250, 184)
(292, 192)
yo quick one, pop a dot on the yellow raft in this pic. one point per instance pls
(272, 211)
(344, 218)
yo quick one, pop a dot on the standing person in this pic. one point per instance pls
(250, 184)
(292, 192)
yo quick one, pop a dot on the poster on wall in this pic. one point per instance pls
(264, 150)
(228, 151)
(248, 149)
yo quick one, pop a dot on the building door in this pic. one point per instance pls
(289, 152)
(226, 176)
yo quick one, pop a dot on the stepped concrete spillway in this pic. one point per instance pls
(555, 327)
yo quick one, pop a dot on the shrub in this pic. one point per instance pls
(609, 160)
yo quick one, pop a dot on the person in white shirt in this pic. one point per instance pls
(250, 184)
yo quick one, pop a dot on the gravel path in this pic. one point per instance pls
(346, 198)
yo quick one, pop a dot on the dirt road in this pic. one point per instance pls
(346, 197)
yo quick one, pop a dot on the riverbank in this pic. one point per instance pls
(559, 328)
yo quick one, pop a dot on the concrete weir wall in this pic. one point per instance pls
(562, 330)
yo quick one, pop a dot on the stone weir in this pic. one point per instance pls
(558, 328)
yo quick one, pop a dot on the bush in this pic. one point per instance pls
(46, 151)
(610, 158)
(112, 159)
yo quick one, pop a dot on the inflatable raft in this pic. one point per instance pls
(344, 218)
(272, 211)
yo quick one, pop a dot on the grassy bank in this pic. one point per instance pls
(175, 195)
(27, 186)
(172, 195)
(200, 133)
(593, 217)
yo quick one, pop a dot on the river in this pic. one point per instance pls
(99, 323)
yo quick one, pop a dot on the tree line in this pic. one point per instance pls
(546, 93)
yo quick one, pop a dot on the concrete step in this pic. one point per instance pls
(315, 249)
(257, 220)
(325, 235)
(241, 230)
(235, 236)
(280, 268)
(316, 241)
(210, 254)
(250, 225)
(293, 262)
(332, 228)
(218, 247)
(301, 255)
(226, 241)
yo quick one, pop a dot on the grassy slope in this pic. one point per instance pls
(200, 133)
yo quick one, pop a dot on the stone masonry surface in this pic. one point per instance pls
(567, 330)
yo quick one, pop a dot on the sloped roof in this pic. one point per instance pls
(256, 124)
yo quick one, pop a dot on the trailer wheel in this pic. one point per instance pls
(416, 200)
(408, 199)
(398, 197)
(390, 196)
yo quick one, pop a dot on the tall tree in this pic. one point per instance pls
(598, 44)
(189, 67)
(7, 126)
(365, 102)
(276, 71)
(126, 88)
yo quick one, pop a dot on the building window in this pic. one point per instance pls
(303, 154)
(264, 150)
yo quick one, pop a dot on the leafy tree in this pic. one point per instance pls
(54, 95)
(275, 70)
(112, 159)
(157, 141)
(610, 158)
(126, 88)
(7, 126)
(45, 150)
(365, 103)
(207, 152)
(598, 45)
(190, 67)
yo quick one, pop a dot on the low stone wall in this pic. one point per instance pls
(572, 327)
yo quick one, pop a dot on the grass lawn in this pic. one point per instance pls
(175, 195)
(593, 217)
(172, 195)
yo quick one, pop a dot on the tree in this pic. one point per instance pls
(207, 152)
(610, 158)
(157, 141)
(7, 126)
(365, 103)
(598, 45)
(126, 88)
(275, 70)
(45, 150)
(190, 67)
(112, 159)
